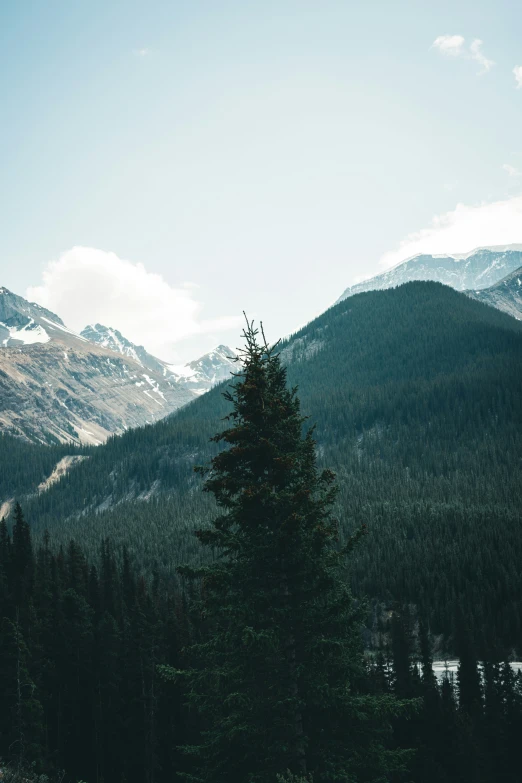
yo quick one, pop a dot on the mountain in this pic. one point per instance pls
(476, 270)
(26, 323)
(60, 386)
(198, 376)
(506, 295)
(116, 342)
(205, 372)
(57, 386)
(415, 393)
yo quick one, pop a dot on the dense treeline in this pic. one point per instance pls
(80, 643)
(23, 465)
(81, 640)
(265, 675)
(466, 729)
(416, 396)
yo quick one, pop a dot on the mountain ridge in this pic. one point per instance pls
(506, 295)
(198, 375)
(59, 386)
(480, 268)
(422, 424)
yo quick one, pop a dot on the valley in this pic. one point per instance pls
(261, 392)
(434, 480)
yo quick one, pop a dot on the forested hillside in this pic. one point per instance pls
(416, 396)
(82, 700)
(24, 465)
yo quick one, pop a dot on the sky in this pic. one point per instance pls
(167, 165)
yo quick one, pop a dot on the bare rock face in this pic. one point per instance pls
(60, 392)
(477, 270)
(506, 295)
(205, 372)
(198, 376)
(115, 341)
(57, 386)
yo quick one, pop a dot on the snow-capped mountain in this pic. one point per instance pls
(505, 295)
(476, 270)
(115, 341)
(198, 376)
(26, 323)
(56, 385)
(211, 368)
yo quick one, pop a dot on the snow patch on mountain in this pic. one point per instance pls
(506, 295)
(198, 376)
(205, 372)
(475, 270)
(57, 385)
(62, 328)
(113, 340)
(28, 334)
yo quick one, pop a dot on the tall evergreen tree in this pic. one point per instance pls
(278, 679)
(468, 676)
(5, 545)
(22, 561)
(21, 711)
(402, 654)
(431, 757)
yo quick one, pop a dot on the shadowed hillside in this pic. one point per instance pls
(416, 396)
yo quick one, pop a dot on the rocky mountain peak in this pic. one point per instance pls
(26, 323)
(506, 295)
(476, 270)
(113, 339)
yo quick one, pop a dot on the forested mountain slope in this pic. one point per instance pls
(24, 466)
(416, 395)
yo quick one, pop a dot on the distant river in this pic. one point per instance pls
(449, 668)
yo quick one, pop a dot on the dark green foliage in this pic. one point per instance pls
(21, 563)
(459, 736)
(23, 466)
(468, 677)
(78, 665)
(21, 710)
(416, 396)
(278, 676)
(404, 680)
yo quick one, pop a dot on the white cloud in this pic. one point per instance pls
(511, 170)
(463, 229)
(453, 46)
(450, 45)
(86, 285)
(478, 55)
(141, 52)
(517, 70)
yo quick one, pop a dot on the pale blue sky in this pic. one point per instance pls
(270, 153)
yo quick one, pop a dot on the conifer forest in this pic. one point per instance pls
(290, 636)
(261, 391)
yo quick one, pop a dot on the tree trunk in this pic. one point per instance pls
(297, 718)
